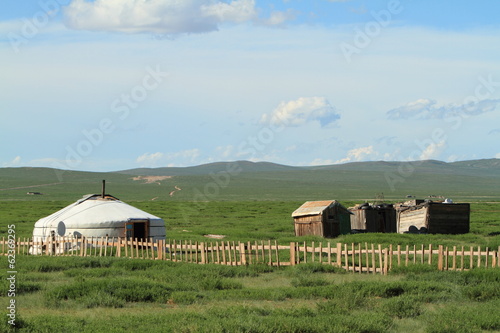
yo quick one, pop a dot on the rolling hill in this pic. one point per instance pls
(477, 180)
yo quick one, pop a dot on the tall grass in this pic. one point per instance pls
(117, 294)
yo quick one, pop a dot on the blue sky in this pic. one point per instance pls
(109, 85)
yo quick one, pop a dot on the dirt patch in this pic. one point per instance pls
(214, 236)
(151, 179)
(176, 188)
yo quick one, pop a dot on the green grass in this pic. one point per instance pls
(258, 220)
(97, 294)
(115, 294)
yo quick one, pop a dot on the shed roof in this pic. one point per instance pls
(316, 207)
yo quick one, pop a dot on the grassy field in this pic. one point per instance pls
(62, 294)
(256, 220)
(73, 294)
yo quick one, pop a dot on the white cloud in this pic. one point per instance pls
(225, 152)
(428, 109)
(15, 162)
(181, 158)
(358, 154)
(433, 150)
(148, 159)
(301, 111)
(237, 11)
(167, 17)
(278, 18)
(497, 155)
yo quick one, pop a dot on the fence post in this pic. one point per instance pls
(391, 254)
(360, 263)
(292, 254)
(313, 252)
(498, 256)
(243, 256)
(454, 260)
(161, 249)
(249, 250)
(305, 252)
(320, 252)
(422, 259)
(270, 253)
(478, 256)
(118, 247)
(446, 258)
(346, 257)
(471, 257)
(203, 257)
(386, 262)
(374, 264)
(329, 253)
(277, 253)
(494, 259)
(462, 258)
(440, 257)
(217, 249)
(380, 258)
(430, 254)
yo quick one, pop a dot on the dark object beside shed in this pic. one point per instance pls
(322, 218)
(379, 218)
(434, 218)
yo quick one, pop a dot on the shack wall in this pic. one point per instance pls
(449, 218)
(358, 219)
(309, 225)
(412, 220)
(374, 220)
(435, 218)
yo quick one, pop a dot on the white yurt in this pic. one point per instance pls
(97, 215)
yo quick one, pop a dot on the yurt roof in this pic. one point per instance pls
(95, 209)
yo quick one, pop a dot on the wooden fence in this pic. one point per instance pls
(369, 258)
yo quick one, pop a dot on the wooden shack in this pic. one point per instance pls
(434, 218)
(322, 218)
(373, 218)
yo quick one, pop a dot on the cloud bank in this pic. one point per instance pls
(301, 111)
(170, 17)
(428, 109)
(358, 154)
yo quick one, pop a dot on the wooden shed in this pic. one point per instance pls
(377, 218)
(434, 218)
(322, 218)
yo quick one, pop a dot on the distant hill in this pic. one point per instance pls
(485, 167)
(245, 180)
(205, 169)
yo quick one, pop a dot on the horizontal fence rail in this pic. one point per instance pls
(368, 258)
